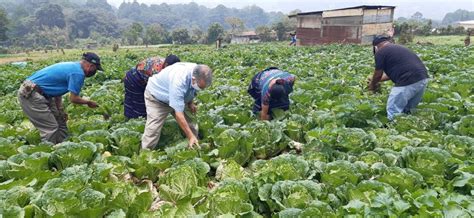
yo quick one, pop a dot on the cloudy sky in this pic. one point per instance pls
(434, 9)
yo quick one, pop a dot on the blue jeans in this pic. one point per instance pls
(403, 99)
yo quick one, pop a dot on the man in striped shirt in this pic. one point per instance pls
(270, 90)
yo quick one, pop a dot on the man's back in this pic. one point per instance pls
(172, 84)
(400, 64)
(57, 79)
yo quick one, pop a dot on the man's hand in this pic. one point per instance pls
(183, 124)
(264, 113)
(192, 107)
(374, 81)
(92, 104)
(76, 99)
(193, 141)
(264, 116)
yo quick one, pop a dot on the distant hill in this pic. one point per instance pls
(459, 15)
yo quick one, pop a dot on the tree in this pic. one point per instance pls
(180, 36)
(54, 36)
(198, 36)
(264, 33)
(134, 34)
(214, 32)
(418, 16)
(50, 15)
(293, 12)
(280, 30)
(155, 34)
(82, 22)
(235, 23)
(426, 29)
(102, 4)
(3, 25)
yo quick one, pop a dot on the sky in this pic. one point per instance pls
(434, 9)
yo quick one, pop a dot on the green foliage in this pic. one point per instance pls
(332, 154)
(68, 154)
(3, 25)
(180, 36)
(214, 32)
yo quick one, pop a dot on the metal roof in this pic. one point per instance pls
(361, 6)
(365, 7)
(466, 22)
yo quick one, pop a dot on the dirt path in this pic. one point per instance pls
(6, 60)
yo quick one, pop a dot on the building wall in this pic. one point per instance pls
(343, 13)
(244, 39)
(309, 21)
(343, 21)
(239, 40)
(342, 33)
(378, 16)
(467, 26)
(308, 36)
(343, 26)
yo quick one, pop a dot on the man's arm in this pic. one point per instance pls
(76, 99)
(59, 102)
(183, 124)
(264, 113)
(375, 79)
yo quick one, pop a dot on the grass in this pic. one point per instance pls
(440, 40)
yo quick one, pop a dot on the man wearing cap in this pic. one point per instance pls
(270, 89)
(405, 69)
(40, 95)
(135, 82)
(172, 91)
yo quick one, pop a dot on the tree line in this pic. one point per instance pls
(407, 28)
(75, 23)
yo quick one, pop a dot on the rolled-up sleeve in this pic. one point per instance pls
(177, 90)
(75, 83)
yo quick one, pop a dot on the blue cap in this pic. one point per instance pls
(93, 58)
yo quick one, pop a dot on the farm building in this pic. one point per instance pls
(346, 25)
(468, 24)
(245, 37)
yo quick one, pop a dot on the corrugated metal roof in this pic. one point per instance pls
(306, 13)
(361, 6)
(364, 7)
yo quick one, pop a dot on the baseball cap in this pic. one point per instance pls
(380, 38)
(93, 58)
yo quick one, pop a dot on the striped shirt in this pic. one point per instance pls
(268, 76)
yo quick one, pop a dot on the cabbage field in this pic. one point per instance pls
(333, 154)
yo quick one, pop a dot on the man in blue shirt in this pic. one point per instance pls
(404, 68)
(40, 95)
(171, 91)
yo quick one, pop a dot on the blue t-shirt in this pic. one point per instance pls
(60, 78)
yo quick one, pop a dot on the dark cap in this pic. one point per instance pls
(93, 59)
(171, 59)
(380, 38)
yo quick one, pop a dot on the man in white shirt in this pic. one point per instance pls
(170, 91)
